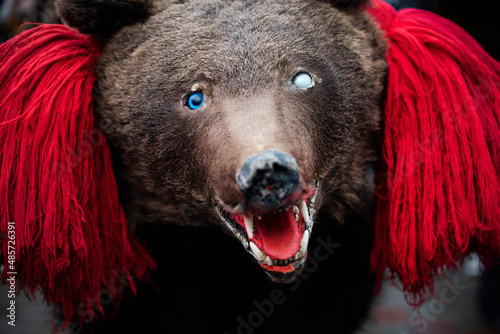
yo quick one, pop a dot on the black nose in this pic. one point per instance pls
(268, 179)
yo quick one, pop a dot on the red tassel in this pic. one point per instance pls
(57, 182)
(440, 197)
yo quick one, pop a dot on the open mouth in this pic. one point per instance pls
(278, 239)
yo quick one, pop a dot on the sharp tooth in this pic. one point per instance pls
(312, 199)
(259, 217)
(258, 253)
(249, 225)
(269, 261)
(305, 213)
(296, 257)
(304, 242)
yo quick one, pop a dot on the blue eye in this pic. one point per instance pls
(302, 80)
(195, 100)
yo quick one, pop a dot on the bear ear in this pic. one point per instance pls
(102, 17)
(348, 3)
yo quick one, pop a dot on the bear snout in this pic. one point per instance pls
(267, 180)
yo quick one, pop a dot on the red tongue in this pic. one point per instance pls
(279, 235)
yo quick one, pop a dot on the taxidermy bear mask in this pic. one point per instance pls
(263, 113)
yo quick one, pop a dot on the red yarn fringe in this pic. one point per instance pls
(440, 197)
(57, 182)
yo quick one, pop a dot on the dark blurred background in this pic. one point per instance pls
(13, 13)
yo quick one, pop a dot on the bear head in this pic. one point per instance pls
(249, 115)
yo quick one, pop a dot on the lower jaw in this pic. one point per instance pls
(285, 274)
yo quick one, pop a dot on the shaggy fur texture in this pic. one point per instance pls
(172, 163)
(243, 55)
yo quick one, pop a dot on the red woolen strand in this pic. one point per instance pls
(440, 196)
(57, 182)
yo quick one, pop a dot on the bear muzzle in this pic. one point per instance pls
(276, 222)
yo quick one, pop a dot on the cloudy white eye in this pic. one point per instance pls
(194, 100)
(303, 80)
